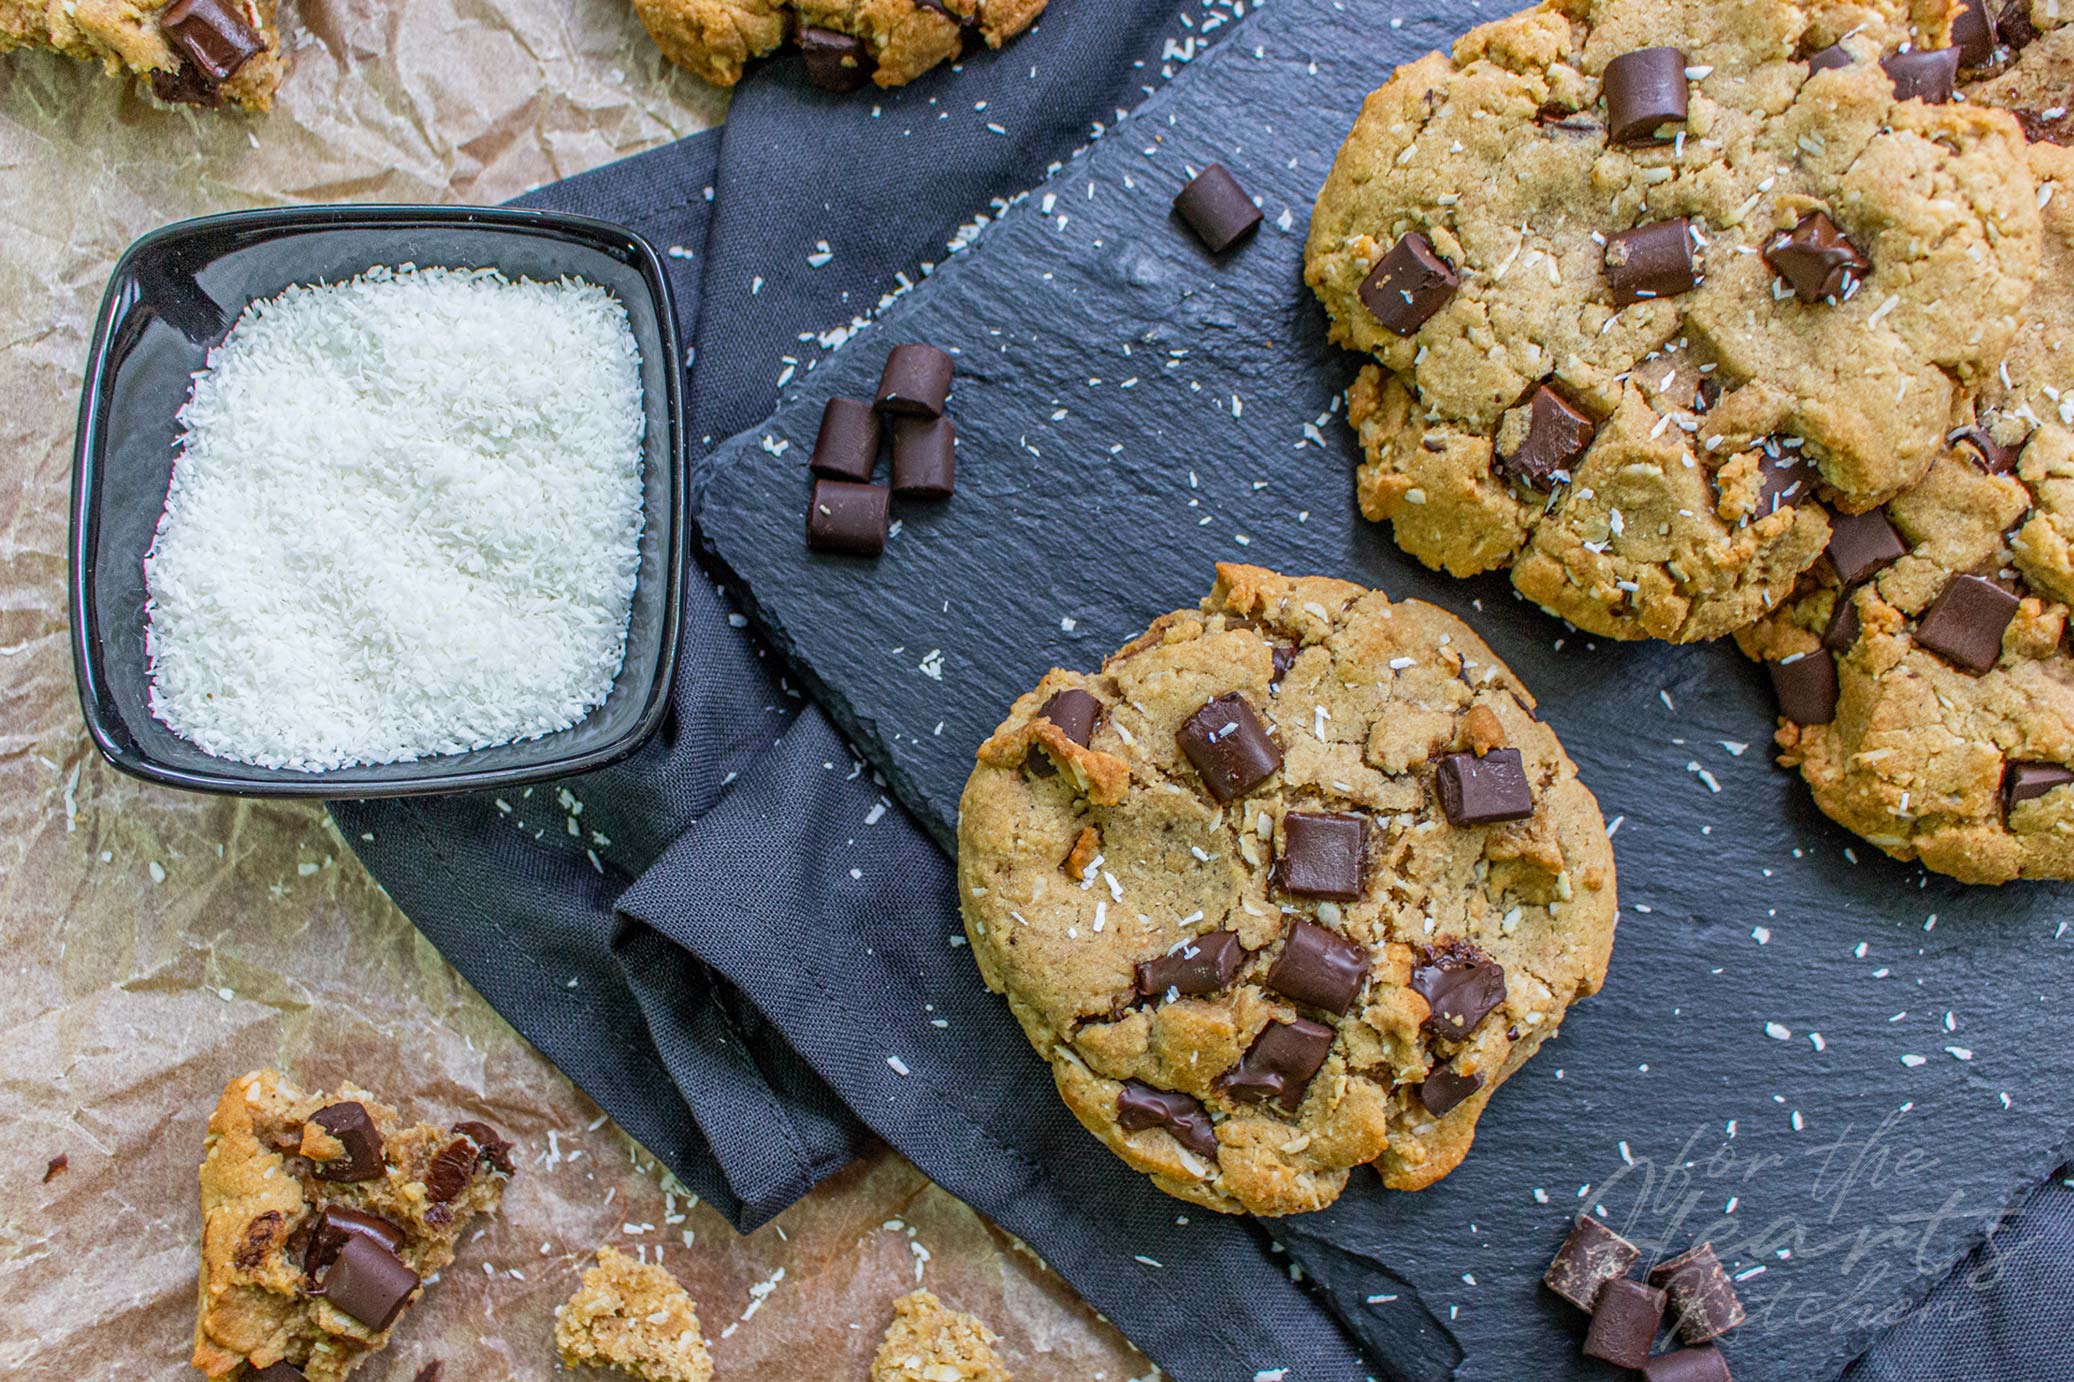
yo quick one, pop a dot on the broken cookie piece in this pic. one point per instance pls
(322, 1218)
(191, 52)
(890, 42)
(930, 1342)
(633, 1316)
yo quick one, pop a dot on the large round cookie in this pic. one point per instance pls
(1926, 686)
(1292, 884)
(1595, 362)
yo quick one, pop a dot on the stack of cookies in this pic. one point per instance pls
(1746, 319)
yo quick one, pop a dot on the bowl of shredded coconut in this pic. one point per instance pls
(377, 501)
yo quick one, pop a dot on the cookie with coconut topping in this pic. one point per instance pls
(1291, 884)
(1643, 282)
(846, 42)
(1926, 689)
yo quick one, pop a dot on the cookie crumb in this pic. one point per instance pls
(55, 1167)
(633, 1316)
(930, 1342)
(1483, 730)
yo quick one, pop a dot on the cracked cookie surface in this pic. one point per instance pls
(1716, 404)
(1948, 737)
(125, 37)
(716, 38)
(1234, 891)
(322, 1216)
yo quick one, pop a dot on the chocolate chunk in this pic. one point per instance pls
(1973, 32)
(430, 1372)
(55, 1167)
(1688, 1365)
(2014, 27)
(1074, 712)
(1319, 967)
(1217, 209)
(1408, 285)
(1322, 855)
(1645, 90)
(1461, 985)
(1200, 965)
(212, 38)
(350, 1124)
(1805, 687)
(1863, 544)
(1557, 434)
(1844, 625)
(925, 457)
(1652, 261)
(1229, 747)
(1443, 1089)
(848, 445)
(449, 1173)
(334, 1226)
(1782, 477)
(1703, 1301)
(2027, 781)
(1984, 451)
(1835, 55)
(2054, 125)
(1923, 74)
(1706, 394)
(1624, 1321)
(847, 518)
(835, 62)
(184, 86)
(368, 1282)
(1280, 1063)
(1284, 655)
(1486, 790)
(283, 1371)
(1590, 1257)
(489, 1146)
(915, 382)
(1964, 623)
(1815, 259)
(1140, 1106)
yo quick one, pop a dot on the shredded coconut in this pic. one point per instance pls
(405, 520)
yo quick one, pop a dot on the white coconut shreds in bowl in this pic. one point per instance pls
(405, 520)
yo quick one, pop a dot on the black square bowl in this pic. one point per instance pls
(173, 297)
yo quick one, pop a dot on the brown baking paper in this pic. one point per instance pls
(158, 943)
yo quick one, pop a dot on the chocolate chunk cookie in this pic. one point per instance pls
(1644, 282)
(1308, 884)
(322, 1218)
(846, 42)
(1926, 684)
(191, 52)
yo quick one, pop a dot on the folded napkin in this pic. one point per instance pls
(735, 941)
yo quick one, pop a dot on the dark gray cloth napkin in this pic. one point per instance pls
(734, 941)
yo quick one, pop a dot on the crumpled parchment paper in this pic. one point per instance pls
(159, 943)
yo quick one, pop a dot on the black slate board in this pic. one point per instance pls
(1101, 472)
